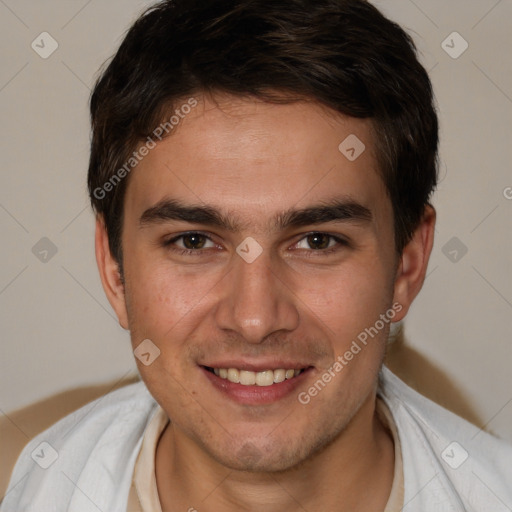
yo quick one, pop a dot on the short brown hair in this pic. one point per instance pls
(341, 53)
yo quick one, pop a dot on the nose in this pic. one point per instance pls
(255, 302)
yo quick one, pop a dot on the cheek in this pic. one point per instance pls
(349, 299)
(160, 296)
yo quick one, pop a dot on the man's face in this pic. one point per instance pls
(266, 289)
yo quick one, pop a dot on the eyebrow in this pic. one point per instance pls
(337, 210)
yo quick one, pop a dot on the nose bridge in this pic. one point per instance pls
(256, 302)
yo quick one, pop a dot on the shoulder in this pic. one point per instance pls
(465, 464)
(68, 422)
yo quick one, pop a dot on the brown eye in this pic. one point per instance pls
(318, 241)
(189, 243)
(321, 244)
(194, 241)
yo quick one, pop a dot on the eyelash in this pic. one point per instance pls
(199, 252)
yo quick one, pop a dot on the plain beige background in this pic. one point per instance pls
(58, 330)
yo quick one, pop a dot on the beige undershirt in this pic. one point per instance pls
(144, 493)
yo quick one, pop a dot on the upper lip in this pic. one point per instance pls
(257, 366)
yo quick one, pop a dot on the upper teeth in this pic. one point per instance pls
(248, 378)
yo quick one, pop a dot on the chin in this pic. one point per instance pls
(249, 458)
(267, 455)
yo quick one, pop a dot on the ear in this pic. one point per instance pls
(414, 261)
(109, 273)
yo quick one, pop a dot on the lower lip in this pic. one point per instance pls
(256, 395)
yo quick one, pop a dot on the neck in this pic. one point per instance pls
(353, 473)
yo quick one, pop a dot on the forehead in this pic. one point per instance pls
(255, 158)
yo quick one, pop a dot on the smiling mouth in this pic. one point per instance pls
(249, 378)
